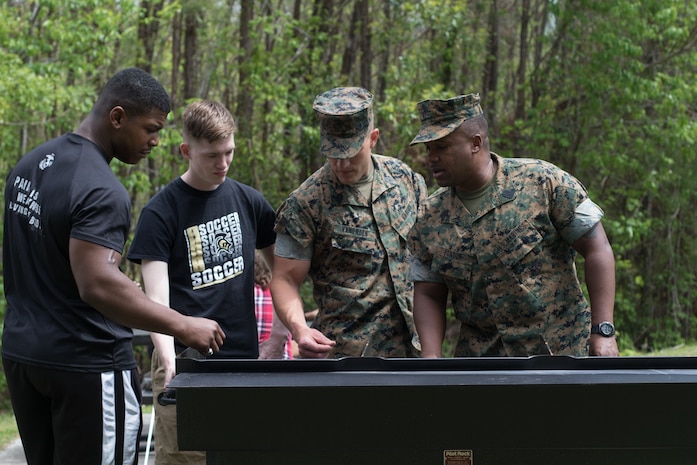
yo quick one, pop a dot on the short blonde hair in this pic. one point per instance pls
(207, 119)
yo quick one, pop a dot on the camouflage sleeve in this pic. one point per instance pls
(567, 195)
(287, 247)
(295, 220)
(420, 188)
(588, 214)
(415, 243)
(421, 272)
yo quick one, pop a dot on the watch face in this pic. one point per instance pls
(606, 329)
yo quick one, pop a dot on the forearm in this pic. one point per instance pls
(156, 282)
(430, 321)
(102, 285)
(279, 332)
(274, 346)
(600, 280)
(121, 300)
(599, 273)
(430, 326)
(288, 275)
(288, 307)
(164, 344)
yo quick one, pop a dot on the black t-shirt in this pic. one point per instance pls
(62, 189)
(208, 238)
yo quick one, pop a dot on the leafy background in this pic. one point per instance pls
(605, 90)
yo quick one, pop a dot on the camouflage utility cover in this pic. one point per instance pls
(344, 115)
(360, 261)
(441, 117)
(509, 266)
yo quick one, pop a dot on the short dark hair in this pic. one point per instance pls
(136, 91)
(478, 124)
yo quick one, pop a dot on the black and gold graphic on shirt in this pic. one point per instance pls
(215, 251)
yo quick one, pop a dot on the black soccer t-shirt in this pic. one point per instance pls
(208, 238)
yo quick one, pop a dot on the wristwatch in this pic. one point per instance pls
(604, 328)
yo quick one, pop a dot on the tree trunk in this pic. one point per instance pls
(522, 60)
(192, 22)
(351, 47)
(535, 88)
(148, 26)
(365, 41)
(176, 60)
(245, 110)
(385, 59)
(491, 65)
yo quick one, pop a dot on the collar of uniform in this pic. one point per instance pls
(499, 194)
(341, 194)
(345, 195)
(383, 180)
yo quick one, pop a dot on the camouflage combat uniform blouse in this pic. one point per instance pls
(509, 266)
(360, 259)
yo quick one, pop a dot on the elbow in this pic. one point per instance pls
(93, 292)
(90, 296)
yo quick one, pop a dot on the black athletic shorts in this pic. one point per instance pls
(73, 418)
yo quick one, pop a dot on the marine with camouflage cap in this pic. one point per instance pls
(500, 237)
(346, 227)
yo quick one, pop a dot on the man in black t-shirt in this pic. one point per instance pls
(196, 240)
(66, 343)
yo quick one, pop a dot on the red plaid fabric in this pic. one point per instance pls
(263, 307)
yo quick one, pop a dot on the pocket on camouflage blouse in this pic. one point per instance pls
(514, 247)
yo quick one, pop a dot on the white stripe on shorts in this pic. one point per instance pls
(131, 425)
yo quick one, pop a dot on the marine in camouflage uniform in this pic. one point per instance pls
(507, 261)
(355, 237)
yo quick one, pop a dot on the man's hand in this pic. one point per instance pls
(271, 350)
(202, 334)
(314, 344)
(603, 346)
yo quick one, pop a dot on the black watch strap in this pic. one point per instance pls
(604, 328)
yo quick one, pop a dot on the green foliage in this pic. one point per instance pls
(8, 428)
(619, 114)
(606, 90)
